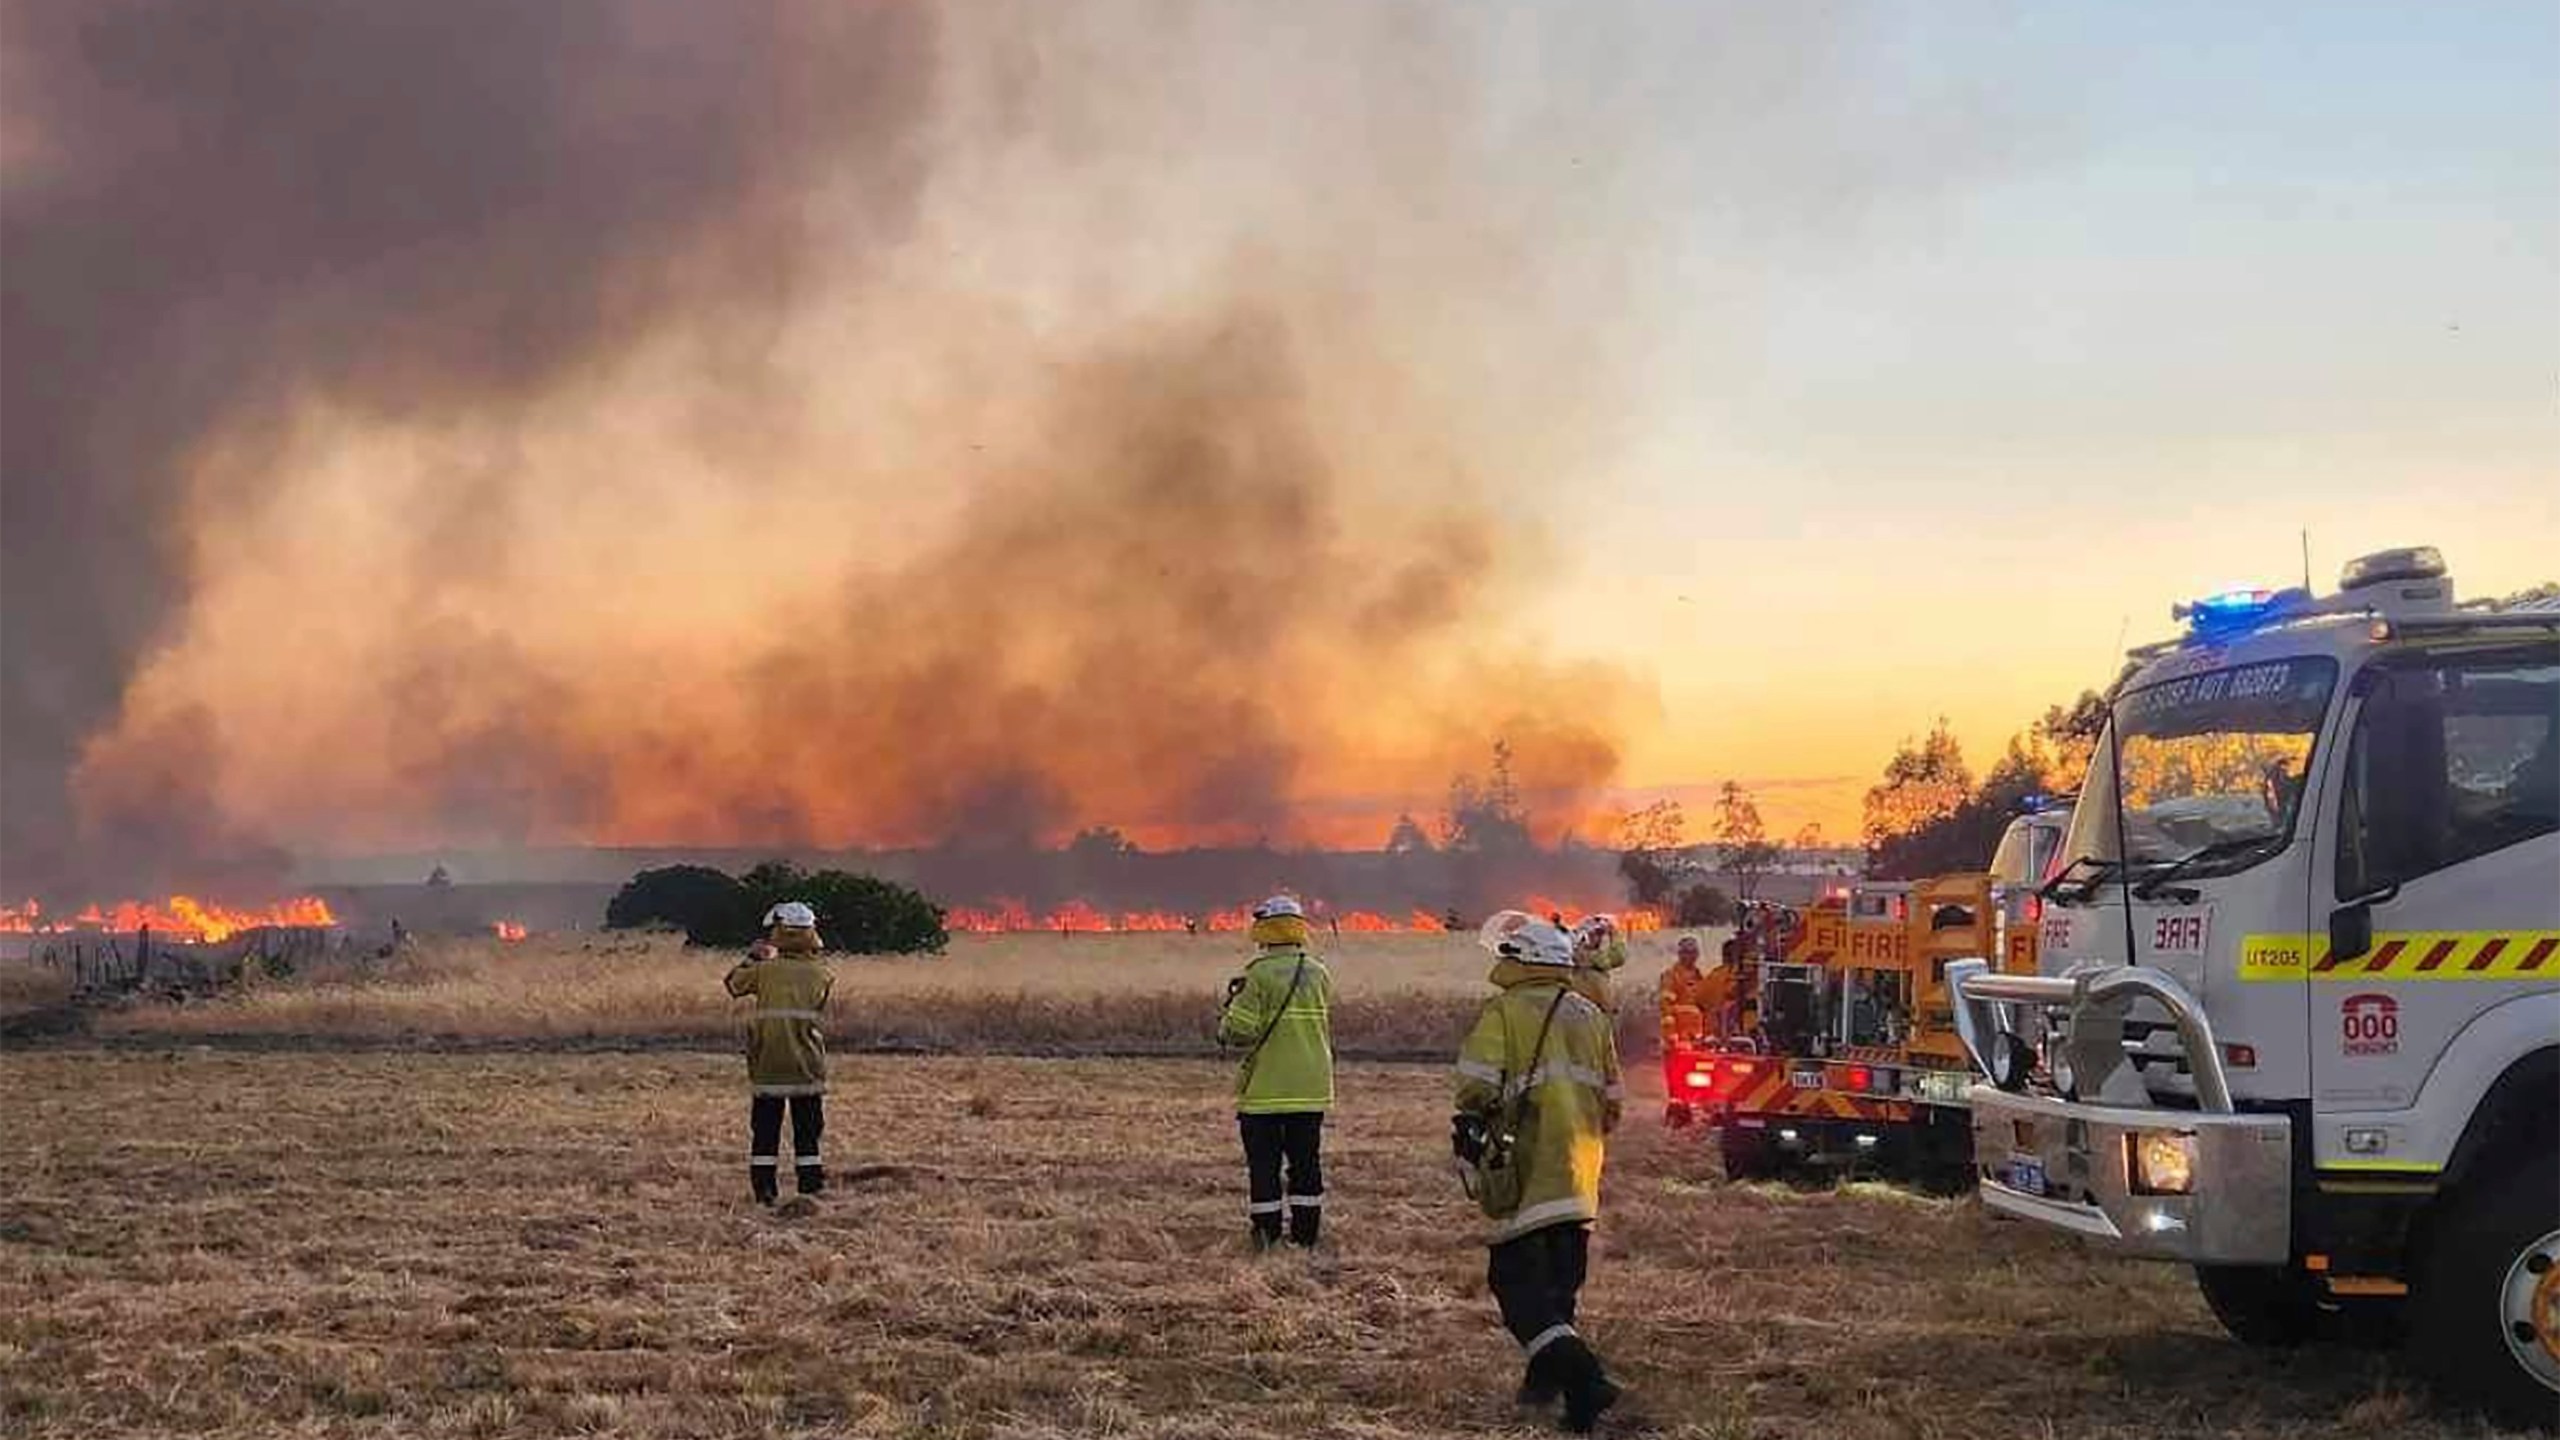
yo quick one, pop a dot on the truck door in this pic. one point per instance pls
(2443, 846)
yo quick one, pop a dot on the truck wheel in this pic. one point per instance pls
(2485, 1314)
(1748, 1157)
(2270, 1306)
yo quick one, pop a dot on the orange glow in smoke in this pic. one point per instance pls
(509, 931)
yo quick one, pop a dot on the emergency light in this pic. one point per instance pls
(2236, 610)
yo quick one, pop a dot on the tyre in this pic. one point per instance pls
(1748, 1156)
(2484, 1321)
(1678, 1116)
(2272, 1307)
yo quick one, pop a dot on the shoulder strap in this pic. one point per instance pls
(1279, 1014)
(1520, 1102)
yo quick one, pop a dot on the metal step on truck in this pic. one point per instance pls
(2295, 1020)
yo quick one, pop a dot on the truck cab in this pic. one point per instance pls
(2295, 1014)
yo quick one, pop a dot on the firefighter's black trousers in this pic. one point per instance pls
(1296, 1142)
(764, 1156)
(1537, 1280)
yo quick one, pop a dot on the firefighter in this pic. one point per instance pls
(1687, 996)
(1599, 952)
(786, 1050)
(1538, 1092)
(1279, 1012)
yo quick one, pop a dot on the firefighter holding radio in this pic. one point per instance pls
(1279, 1012)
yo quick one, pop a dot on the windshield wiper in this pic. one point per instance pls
(2069, 887)
(2152, 884)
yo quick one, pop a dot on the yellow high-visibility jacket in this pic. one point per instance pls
(1574, 1094)
(1293, 1071)
(786, 1048)
(1591, 978)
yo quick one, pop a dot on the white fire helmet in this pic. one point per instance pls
(792, 915)
(1500, 926)
(1279, 906)
(1538, 943)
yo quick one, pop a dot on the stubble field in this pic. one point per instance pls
(1402, 996)
(217, 1243)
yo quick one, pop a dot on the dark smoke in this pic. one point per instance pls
(215, 214)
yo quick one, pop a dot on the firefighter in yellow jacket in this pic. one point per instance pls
(1279, 1012)
(786, 1048)
(1538, 1087)
(1599, 953)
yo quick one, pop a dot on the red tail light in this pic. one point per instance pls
(1700, 1080)
(1859, 1076)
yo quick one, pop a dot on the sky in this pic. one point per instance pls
(2246, 271)
(882, 423)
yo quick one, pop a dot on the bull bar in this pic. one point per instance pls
(2067, 1162)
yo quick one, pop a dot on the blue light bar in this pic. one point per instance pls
(2239, 609)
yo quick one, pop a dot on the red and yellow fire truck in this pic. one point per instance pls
(1842, 1055)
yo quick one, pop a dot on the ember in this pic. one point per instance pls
(509, 931)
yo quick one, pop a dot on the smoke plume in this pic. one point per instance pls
(831, 423)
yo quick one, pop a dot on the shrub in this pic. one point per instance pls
(1703, 905)
(704, 903)
(858, 913)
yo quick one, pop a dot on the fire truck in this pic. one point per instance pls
(1845, 1057)
(2296, 1015)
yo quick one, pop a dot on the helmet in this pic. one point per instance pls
(1278, 906)
(792, 915)
(1594, 932)
(1500, 926)
(1688, 947)
(1537, 943)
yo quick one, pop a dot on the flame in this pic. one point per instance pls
(182, 918)
(509, 931)
(1077, 917)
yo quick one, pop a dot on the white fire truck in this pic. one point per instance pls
(2296, 1015)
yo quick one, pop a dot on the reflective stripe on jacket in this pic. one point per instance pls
(786, 1049)
(1574, 1094)
(1293, 1071)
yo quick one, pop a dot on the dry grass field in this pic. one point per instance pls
(1402, 996)
(214, 1243)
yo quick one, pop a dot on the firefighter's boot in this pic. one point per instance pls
(1306, 1220)
(761, 1180)
(1266, 1228)
(813, 1175)
(1588, 1390)
(1537, 1385)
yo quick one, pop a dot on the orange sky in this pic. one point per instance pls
(1740, 389)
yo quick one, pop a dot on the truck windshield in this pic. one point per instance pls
(2213, 760)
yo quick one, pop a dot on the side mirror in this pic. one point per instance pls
(2351, 930)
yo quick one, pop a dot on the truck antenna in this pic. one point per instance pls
(2306, 557)
(2124, 851)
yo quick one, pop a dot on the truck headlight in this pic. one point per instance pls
(2161, 1162)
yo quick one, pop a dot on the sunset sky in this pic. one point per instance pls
(2220, 274)
(885, 423)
